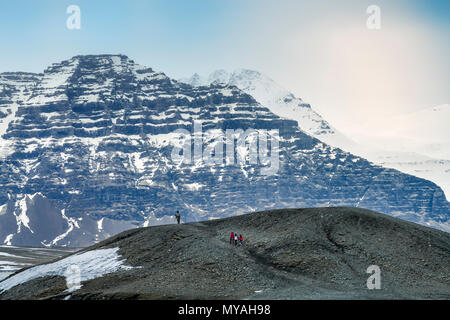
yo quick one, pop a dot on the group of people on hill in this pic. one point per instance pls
(236, 240)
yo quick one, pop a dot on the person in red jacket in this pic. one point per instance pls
(241, 240)
(231, 237)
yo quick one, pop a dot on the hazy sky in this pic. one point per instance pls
(320, 50)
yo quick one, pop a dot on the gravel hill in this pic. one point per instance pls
(317, 253)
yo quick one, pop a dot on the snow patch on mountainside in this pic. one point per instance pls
(22, 218)
(72, 224)
(3, 208)
(8, 239)
(15, 89)
(54, 80)
(5, 121)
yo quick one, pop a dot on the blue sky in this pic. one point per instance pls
(320, 50)
(156, 33)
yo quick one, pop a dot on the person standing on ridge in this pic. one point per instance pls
(231, 237)
(241, 240)
(178, 216)
(235, 239)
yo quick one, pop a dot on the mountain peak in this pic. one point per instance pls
(113, 57)
(93, 61)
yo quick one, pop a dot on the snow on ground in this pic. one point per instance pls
(4, 275)
(92, 264)
(8, 239)
(5, 254)
(9, 266)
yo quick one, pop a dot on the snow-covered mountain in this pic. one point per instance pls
(436, 170)
(13, 258)
(87, 153)
(417, 143)
(280, 101)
